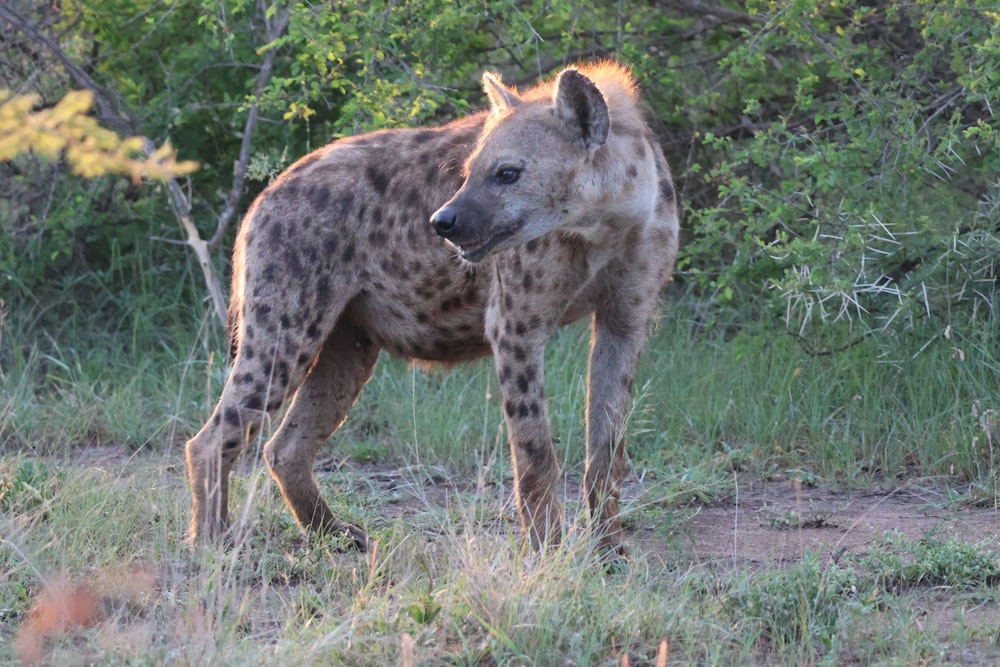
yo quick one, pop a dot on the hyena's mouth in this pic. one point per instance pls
(476, 251)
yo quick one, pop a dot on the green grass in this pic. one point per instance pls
(430, 479)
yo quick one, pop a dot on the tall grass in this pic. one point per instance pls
(448, 574)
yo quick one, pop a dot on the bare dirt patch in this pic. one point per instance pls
(773, 524)
(778, 522)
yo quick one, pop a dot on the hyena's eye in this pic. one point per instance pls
(507, 175)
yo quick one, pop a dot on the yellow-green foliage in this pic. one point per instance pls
(90, 149)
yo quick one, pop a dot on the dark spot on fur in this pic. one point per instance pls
(232, 417)
(243, 378)
(520, 329)
(378, 179)
(253, 403)
(348, 253)
(230, 445)
(509, 408)
(274, 405)
(302, 359)
(312, 331)
(319, 197)
(422, 318)
(454, 303)
(218, 419)
(522, 410)
(522, 384)
(432, 174)
(273, 232)
(413, 198)
(247, 352)
(322, 293)
(519, 352)
(534, 409)
(344, 202)
(378, 237)
(285, 322)
(631, 171)
(423, 136)
(666, 191)
(640, 150)
(508, 301)
(392, 267)
(282, 371)
(532, 245)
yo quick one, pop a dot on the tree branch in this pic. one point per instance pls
(707, 9)
(274, 30)
(113, 116)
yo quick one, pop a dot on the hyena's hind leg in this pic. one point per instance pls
(320, 406)
(211, 453)
(269, 366)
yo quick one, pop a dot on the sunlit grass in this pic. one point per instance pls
(94, 505)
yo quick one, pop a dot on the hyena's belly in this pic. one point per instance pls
(434, 317)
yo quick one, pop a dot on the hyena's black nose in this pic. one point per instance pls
(444, 221)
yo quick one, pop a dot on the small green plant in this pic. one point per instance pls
(799, 606)
(898, 564)
(24, 484)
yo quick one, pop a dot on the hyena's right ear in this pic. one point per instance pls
(501, 97)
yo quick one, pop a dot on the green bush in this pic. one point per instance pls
(855, 189)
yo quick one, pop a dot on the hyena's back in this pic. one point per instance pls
(350, 222)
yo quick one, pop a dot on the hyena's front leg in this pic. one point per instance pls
(619, 331)
(519, 359)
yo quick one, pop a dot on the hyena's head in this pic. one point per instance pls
(532, 169)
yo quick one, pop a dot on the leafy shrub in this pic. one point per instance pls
(856, 187)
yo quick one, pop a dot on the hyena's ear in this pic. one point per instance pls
(501, 97)
(580, 104)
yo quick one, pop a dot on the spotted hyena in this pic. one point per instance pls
(479, 237)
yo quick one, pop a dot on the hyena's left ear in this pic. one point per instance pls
(501, 97)
(580, 104)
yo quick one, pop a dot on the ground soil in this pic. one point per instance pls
(760, 526)
(772, 523)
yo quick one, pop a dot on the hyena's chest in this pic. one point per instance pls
(427, 307)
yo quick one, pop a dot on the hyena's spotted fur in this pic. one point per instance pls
(564, 208)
